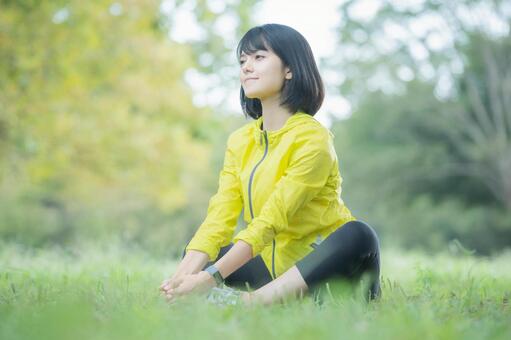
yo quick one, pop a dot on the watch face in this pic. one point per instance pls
(218, 277)
(215, 273)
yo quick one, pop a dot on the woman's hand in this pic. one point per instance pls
(192, 262)
(189, 283)
(171, 283)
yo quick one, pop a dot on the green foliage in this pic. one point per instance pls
(395, 159)
(98, 133)
(427, 160)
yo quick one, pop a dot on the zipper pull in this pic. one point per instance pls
(260, 138)
(318, 239)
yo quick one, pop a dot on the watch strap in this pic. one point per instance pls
(216, 274)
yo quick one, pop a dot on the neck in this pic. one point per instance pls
(274, 115)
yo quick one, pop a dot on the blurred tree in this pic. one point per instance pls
(427, 151)
(383, 44)
(213, 30)
(98, 132)
(482, 135)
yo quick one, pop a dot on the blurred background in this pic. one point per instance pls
(114, 116)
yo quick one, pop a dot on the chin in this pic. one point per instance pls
(252, 95)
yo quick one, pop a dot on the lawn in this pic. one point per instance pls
(93, 293)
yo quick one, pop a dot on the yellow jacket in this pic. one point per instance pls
(287, 182)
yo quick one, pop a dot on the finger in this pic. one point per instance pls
(165, 288)
(176, 282)
(170, 298)
(179, 290)
(164, 284)
(184, 288)
(172, 283)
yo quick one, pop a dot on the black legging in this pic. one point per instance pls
(348, 253)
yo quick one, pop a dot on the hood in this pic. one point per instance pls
(299, 118)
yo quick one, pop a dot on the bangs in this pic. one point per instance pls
(252, 42)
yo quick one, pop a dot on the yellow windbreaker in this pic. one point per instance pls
(288, 184)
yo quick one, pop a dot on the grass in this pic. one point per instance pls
(112, 293)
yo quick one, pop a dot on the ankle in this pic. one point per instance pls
(246, 298)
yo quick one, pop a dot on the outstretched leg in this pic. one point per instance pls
(253, 273)
(289, 283)
(349, 253)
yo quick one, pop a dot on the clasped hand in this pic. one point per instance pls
(186, 284)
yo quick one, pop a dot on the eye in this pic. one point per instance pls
(257, 56)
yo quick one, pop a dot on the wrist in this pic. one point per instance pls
(182, 272)
(212, 271)
(194, 261)
(209, 278)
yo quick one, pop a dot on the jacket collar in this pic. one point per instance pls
(298, 118)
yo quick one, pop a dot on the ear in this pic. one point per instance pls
(289, 74)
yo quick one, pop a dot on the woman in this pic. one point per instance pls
(282, 170)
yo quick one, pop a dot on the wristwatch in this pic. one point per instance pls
(216, 274)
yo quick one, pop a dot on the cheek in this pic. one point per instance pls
(276, 74)
(276, 81)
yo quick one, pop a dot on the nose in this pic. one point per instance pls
(247, 65)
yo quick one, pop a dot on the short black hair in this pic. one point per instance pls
(305, 90)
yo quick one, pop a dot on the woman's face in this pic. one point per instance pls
(262, 74)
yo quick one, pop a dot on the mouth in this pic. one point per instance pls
(246, 80)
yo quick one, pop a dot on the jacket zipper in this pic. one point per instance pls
(250, 195)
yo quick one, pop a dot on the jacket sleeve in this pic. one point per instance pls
(308, 170)
(223, 210)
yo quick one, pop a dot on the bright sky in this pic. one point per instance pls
(316, 21)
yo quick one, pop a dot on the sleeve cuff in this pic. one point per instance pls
(204, 246)
(257, 235)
